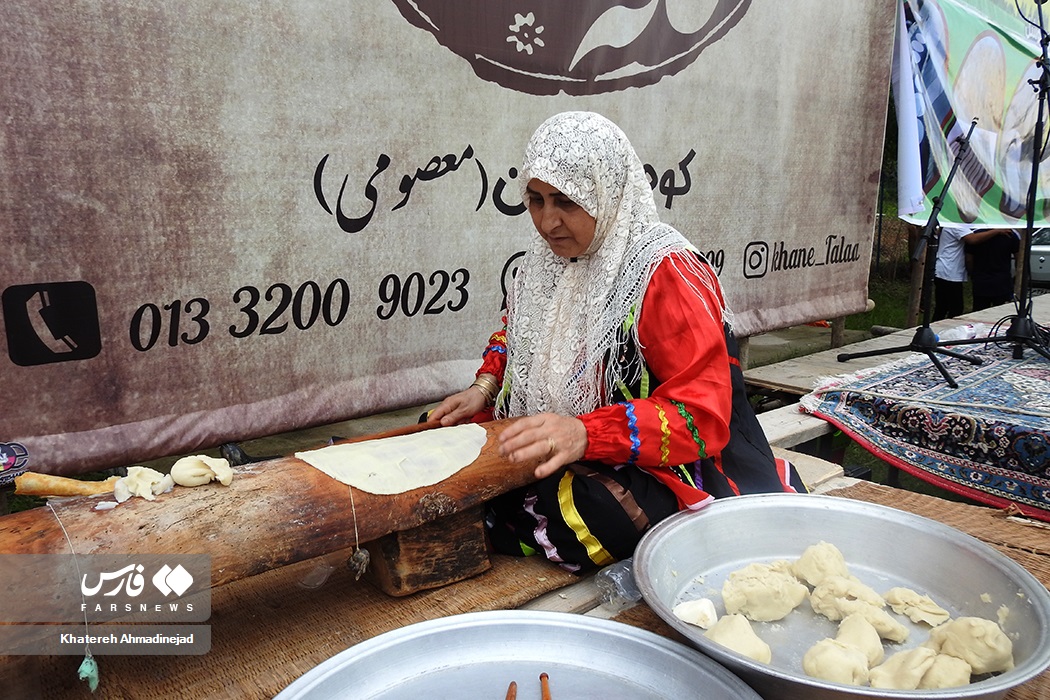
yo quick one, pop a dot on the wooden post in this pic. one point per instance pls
(838, 331)
(917, 271)
(744, 348)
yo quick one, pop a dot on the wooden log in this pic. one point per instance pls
(274, 513)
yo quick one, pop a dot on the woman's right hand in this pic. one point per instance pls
(459, 408)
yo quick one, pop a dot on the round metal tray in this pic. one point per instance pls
(477, 655)
(690, 554)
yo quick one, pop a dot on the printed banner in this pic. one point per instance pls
(221, 222)
(79, 596)
(966, 60)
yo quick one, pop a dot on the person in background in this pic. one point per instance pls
(991, 266)
(617, 359)
(950, 268)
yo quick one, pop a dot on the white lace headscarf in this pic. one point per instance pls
(565, 318)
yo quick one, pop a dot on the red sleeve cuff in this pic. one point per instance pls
(608, 440)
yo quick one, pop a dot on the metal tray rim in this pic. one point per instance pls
(608, 630)
(1031, 586)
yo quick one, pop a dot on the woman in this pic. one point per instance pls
(618, 356)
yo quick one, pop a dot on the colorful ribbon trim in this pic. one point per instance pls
(632, 424)
(688, 417)
(665, 436)
(595, 551)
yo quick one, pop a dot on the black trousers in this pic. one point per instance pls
(947, 299)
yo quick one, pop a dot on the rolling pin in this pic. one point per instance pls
(34, 484)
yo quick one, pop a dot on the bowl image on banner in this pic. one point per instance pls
(586, 48)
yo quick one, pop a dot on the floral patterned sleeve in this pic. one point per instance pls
(686, 417)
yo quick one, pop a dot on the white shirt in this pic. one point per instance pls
(951, 254)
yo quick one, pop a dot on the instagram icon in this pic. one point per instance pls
(756, 259)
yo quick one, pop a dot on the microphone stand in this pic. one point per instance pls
(1023, 330)
(925, 340)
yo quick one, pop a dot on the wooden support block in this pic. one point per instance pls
(435, 554)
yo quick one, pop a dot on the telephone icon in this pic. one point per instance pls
(39, 311)
(51, 322)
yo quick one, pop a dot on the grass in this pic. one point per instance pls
(891, 305)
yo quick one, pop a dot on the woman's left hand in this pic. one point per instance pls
(558, 440)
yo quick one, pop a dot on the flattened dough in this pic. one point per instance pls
(918, 607)
(402, 463)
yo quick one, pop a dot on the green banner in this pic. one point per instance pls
(972, 62)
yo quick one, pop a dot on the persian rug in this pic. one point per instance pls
(987, 440)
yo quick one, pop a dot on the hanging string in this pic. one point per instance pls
(353, 511)
(88, 667)
(358, 562)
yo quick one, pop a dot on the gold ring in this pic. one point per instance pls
(553, 447)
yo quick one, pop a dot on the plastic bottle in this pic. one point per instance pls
(616, 587)
(963, 332)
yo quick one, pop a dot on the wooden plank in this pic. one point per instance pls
(787, 426)
(576, 598)
(813, 470)
(800, 375)
(274, 513)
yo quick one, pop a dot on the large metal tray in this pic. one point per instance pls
(690, 554)
(477, 655)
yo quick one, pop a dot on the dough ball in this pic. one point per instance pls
(857, 632)
(833, 589)
(201, 469)
(165, 485)
(699, 612)
(978, 642)
(818, 562)
(762, 592)
(904, 670)
(121, 492)
(831, 660)
(884, 623)
(138, 482)
(836, 597)
(734, 632)
(783, 566)
(917, 607)
(946, 672)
